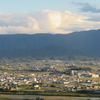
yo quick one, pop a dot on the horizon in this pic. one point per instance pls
(52, 33)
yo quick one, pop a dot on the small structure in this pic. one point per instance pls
(95, 75)
(39, 98)
(37, 87)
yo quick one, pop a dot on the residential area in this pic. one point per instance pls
(50, 75)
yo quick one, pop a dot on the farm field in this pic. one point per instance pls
(20, 97)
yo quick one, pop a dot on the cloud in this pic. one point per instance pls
(86, 7)
(45, 21)
(95, 18)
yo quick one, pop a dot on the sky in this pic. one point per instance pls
(48, 16)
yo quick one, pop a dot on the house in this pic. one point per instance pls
(95, 75)
(67, 82)
(96, 87)
(37, 87)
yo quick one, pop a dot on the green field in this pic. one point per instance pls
(18, 97)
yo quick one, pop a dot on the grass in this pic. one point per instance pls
(45, 97)
(87, 66)
(71, 94)
(91, 78)
(19, 72)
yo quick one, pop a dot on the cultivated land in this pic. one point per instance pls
(20, 97)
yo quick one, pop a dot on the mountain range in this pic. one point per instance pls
(53, 46)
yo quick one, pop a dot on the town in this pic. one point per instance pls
(50, 76)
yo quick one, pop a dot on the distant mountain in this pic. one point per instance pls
(50, 52)
(85, 41)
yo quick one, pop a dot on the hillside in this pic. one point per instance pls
(85, 41)
(51, 52)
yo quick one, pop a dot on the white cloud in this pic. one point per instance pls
(45, 21)
(32, 23)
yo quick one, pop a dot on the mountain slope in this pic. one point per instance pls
(85, 41)
(50, 52)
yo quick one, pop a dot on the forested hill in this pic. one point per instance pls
(53, 52)
(87, 42)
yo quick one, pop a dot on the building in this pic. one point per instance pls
(95, 75)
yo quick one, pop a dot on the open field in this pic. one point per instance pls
(19, 97)
(18, 72)
(49, 96)
(91, 78)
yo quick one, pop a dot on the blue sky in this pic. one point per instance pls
(11, 6)
(42, 16)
